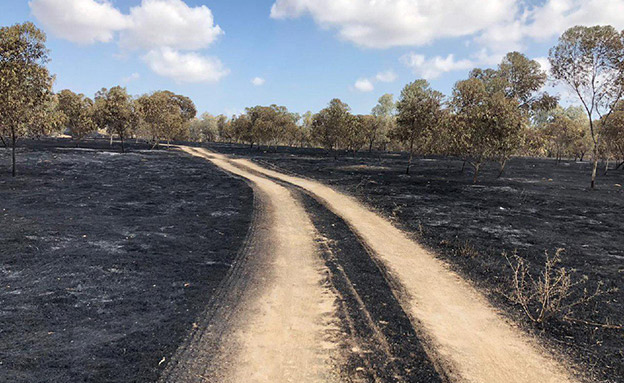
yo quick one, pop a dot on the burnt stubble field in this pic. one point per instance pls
(537, 206)
(108, 259)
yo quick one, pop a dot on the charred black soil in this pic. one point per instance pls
(108, 259)
(536, 206)
(383, 343)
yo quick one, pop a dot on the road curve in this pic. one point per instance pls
(465, 334)
(284, 328)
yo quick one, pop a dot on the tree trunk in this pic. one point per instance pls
(111, 140)
(620, 165)
(370, 146)
(475, 177)
(502, 167)
(594, 169)
(411, 155)
(123, 150)
(463, 167)
(4, 142)
(13, 140)
(606, 167)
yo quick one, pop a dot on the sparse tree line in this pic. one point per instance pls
(490, 116)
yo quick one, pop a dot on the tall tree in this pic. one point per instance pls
(204, 129)
(25, 83)
(590, 61)
(419, 113)
(384, 118)
(116, 111)
(329, 125)
(613, 135)
(224, 128)
(78, 111)
(166, 115)
(485, 124)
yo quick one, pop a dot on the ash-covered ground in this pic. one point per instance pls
(536, 206)
(107, 259)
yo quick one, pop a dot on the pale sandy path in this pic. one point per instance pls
(470, 340)
(288, 332)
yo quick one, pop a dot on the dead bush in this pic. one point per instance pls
(553, 294)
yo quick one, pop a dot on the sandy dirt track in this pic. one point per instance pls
(466, 335)
(285, 331)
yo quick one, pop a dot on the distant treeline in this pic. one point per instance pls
(490, 116)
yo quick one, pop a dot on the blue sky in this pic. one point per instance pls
(304, 51)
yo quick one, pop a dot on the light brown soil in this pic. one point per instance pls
(470, 339)
(287, 333)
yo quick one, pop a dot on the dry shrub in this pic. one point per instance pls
(553, 294)
(467, 250)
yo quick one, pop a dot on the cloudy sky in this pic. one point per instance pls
(229, 54)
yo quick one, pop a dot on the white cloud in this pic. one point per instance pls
(364, 85)
(497, 25)
(162, 28)
(388, 23)
(550, 19)
(544, 63)
(185, 67)
(80, 21)
(387, 76)
(258, 81)
(170, 23)
(133, 77)
(431, 68)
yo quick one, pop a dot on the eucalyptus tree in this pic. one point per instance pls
(329, 124)
(116, 112)
(383, 112)
(204, 129)
(166, 116)
(305, 129)
(78, 111)
(224, 128)
(520, 80)
(613, 136)
(242, 129)
(484, 123)
(419, 113)
(590, 62)
(25, 83)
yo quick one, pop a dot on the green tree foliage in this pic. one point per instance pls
(305, 129)
(419, 114)
(377, 134)
(563, 132)
(47, 119)
(355, 131)
(78, 111)
(271, 125)
(204, 129)
(224, 128)
(590, 61)
(613, 135)
(329, 125)
(116, 112)
(166, 116)
(25, 83)
(485, 125)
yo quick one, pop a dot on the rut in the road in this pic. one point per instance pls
(287, 332)
(466, 334)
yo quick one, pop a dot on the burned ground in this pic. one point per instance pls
(107, 259)
(536, 206)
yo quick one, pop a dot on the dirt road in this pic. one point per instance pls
(308, 318)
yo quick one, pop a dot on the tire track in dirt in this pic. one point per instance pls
(284, 327)
(465, 333)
